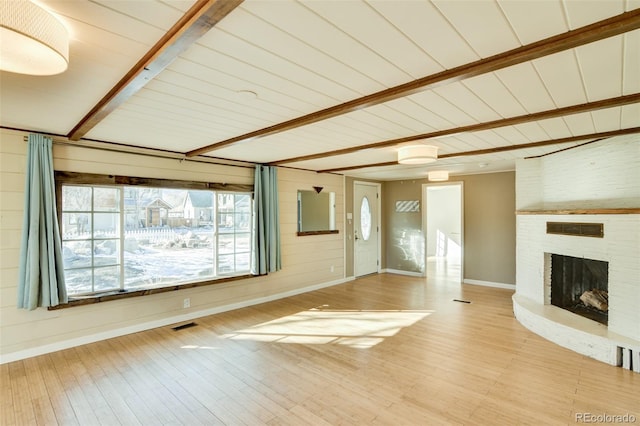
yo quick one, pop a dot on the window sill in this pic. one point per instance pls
(117, 295)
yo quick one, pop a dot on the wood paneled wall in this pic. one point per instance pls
(307, 261)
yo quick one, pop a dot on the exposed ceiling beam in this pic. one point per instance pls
(568, 148)
(616, 25)
(592, 136)
(526, 118)
(198, 20)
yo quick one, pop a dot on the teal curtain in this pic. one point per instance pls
(41, 276)
(267, 215)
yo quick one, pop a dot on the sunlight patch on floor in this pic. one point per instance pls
(197, 347)
(358, 329)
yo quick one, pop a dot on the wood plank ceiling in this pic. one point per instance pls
(340, 85)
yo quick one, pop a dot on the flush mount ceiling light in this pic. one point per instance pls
(417, 154)
(438, 176)
(32, 40)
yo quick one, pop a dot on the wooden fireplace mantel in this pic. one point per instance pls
(633, 210)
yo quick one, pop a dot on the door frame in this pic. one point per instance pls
(424, 221)
(378, 224)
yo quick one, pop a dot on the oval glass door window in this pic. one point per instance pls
(365, 219)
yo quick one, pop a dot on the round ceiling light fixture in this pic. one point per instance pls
(32, 40)
(417, 154)
(438, 176)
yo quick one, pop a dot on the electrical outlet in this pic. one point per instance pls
(332, 268)
(186, 303)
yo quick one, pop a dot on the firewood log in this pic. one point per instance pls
(596, 299)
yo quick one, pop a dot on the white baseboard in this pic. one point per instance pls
(401, 272)
(489, 284)
(66, 344)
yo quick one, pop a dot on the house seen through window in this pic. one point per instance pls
(119, 238)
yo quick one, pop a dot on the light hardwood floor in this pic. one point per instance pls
(381, 350)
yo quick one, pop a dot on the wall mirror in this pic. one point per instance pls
(316, 212)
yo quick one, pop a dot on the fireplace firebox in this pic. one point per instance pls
(581, 286)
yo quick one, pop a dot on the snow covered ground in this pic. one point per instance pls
(180, 256)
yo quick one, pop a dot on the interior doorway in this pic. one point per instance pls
(443, 219)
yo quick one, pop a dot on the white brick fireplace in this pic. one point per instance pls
(595, 183)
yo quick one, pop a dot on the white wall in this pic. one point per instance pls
(307, 261)
(604, 174)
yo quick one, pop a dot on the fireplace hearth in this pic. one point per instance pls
(580, 286)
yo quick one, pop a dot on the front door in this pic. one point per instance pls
(366, 229)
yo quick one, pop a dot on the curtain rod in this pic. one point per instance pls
(149, 152)
(126, 149)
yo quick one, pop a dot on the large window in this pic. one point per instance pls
(124, 237)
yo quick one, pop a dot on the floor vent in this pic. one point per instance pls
(183, 326)
(629, 359)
